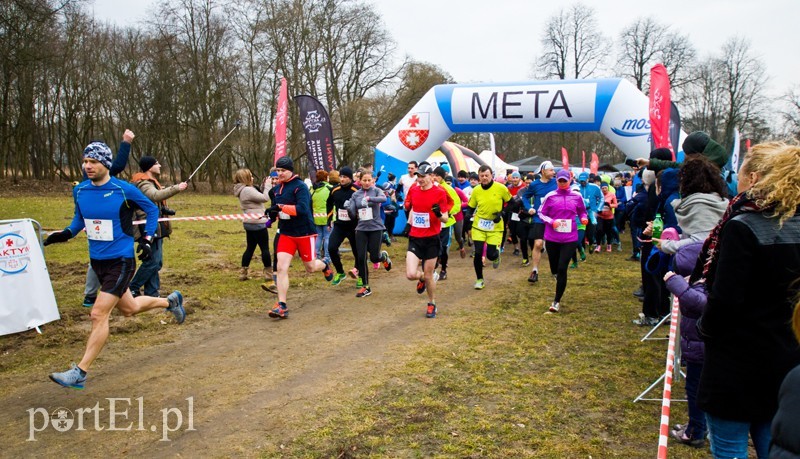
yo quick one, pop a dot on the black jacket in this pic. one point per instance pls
(786, 425)
(746, 324)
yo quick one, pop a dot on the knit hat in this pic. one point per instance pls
(146, 163)
(285, 162)
(391, 177)
(695, 142)
(345, 171)
(273, 174)
(100, 152)
(439, 171)
(661, 153)
(604, 185)
(515, 174)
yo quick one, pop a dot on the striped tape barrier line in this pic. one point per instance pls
(208, 218)
(665, 401)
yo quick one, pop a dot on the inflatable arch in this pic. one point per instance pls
(613, 106)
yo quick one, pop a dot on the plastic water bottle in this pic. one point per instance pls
(658, 226)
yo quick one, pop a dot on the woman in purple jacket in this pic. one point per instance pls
(558, 211)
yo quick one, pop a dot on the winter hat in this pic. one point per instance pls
(273, 174)
(648, 177)
(661, 153)
(345, 171)
(562, 175)
(285, 162)
(604, 185)
(439, 171)
(695, 142)
(146, 163)
(515, 174)
(545, 165)
(100, 152)
(391, 177)
(584, 176)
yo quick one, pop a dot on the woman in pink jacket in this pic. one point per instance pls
(558, 211)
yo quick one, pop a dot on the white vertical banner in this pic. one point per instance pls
(26, 299)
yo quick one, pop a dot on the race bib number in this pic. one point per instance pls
(99, 230)
(342, 215)
(515, 217)
(365, 213)
(563, 226)
(283, 215)
(486, 225)
(420, 219)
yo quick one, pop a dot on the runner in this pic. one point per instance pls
(486, 207)
(106, 204)
(458, 228)
(558, 211)
(515, 185)
(344, 227)
(428, 208)
(444, 235)
(532, 200)
(297, 230)
(593, 200)
(366, 205)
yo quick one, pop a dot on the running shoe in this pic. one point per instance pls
(443, 275)
(338, 278)
(516, 252)
(387, 262)
(88, 301)
(573, 265)
(608, 248)
(421, 286)
(644, 321)
(386, 239)
(175, 300)
(279, 312)
(496, 263)
(435, 277)
(353, 273)
(555, 306)
(375, 265)
(480, 284)
(270, 287)
(534, 277)
(365, 291)
(359, 282)
(597, 249)
(71, 378)
(583, 254)
(327, 272)
(430, 313)
(619, 246)
(525, 262)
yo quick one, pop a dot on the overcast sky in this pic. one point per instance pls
(497, 40)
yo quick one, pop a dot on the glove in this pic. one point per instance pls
(406, 229)
(146, 249)
(346, 204)
(269, 223)
(468, 211)
(436, 210)
(167, 212)
(498, 217)
(584, 221)
(365, 201)
(59, 236)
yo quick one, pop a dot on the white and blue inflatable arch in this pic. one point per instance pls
(614, 107)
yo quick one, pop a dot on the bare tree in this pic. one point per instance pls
(791, 113)
(589, 46)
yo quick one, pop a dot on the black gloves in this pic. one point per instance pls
(498, 217)
(468, 212)
(167, 212)
(146, 249)
(272, 212)
(60, 236)
(436, 210)
(407, 229)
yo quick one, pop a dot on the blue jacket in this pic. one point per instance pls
(295, 193)
(537, 190)
(669, 193)
(621, 199)
(109, 209)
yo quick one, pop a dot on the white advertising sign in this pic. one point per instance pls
(26, 295)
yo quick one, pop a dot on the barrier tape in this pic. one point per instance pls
(665, 400)
(207, 218)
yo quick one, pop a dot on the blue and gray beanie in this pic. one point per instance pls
(100, 152)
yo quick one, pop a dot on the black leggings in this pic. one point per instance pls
(255, 238)
(491, 254)
(338, 235)
(369, 244)
(559, 255)
(605, 228)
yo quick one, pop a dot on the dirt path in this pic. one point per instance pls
(254, 383)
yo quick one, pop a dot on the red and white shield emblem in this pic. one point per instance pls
(415, 130)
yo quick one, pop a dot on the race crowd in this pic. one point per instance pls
(727, 248)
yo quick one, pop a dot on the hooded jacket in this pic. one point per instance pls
(561, 205)
(697, 215)
(669, 193)
(252, 202)
(692, 300)
(295, 193)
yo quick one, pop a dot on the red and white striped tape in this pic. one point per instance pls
(665, 401)
(208, 218)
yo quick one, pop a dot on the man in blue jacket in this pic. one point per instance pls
(104, 207)
(532, 199)
(593, 200)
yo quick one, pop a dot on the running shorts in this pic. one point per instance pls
(490, 237)
(425, 248)
(537, 230)
(115, 274)
(304, 245)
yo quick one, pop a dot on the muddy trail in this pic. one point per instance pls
(244, 384)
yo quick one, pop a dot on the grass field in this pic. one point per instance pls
(493, 376)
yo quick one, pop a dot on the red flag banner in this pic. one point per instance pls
(564, 158)
(660, 108)
(583, 160)
(280, 121)
(594, 164)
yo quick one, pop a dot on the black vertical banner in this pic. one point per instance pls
(675, 128)
(319, 135)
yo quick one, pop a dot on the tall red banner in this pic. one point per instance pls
(660, 108)
(583, 160)
(280, 121)
(564, 158)
(595, 164)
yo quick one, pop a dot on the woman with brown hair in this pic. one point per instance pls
(252, 201)
(750, 263)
